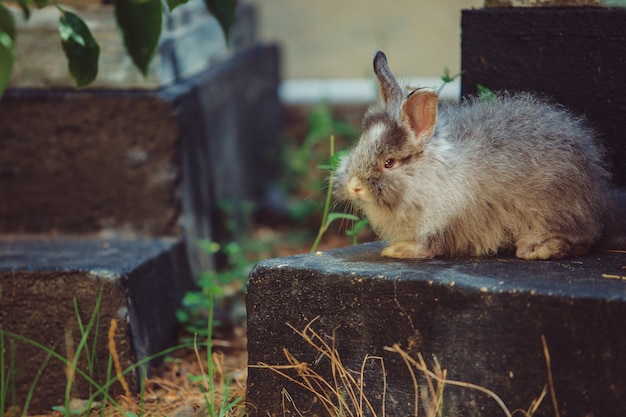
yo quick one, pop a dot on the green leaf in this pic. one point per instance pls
(172, 4)
(7, 47)
(64, 411)
(336, 216)
(182, 316)
(81, 49)
(208, 246)
(224, 12)
(345, 216)
(485, 93)
(358, 226)
(446, 77)
(40, 4)
(334, 161)
(140, 24)
(25, 9)
(7, 23)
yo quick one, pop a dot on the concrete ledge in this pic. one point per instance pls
(184, 148)
(110, 161)
(575, 56)
(142, 282)
(231, 119)
(482, 318)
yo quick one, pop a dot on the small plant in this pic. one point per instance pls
(304, 176)
(485, 93)
(447, 78)
(88, 332)
(301, 178)
(218, 289)
(198, 307)
(329, 217)
(218, 400)
(208, 378)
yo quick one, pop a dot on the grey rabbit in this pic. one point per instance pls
(487, 175)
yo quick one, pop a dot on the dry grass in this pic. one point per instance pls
(178, 388)
(174, 393)
(181, 388)
(344, 394)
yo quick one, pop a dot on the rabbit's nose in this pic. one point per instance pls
(356, 187)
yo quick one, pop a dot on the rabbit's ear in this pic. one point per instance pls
(389, 87)
(419, 113)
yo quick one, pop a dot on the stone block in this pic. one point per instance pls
(85, 161)
(544, 3)
(483, 319)
(576, 56)
(134, 160)
(140, 283)
(231, 119)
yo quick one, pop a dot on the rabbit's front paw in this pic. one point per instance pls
(404, 250)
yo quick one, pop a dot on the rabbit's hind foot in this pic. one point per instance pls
(542, 248)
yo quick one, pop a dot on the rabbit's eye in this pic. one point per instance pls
(390, 163)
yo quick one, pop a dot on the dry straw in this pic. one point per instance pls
(344, 394)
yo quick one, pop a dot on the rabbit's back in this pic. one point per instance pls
(525, 163)
(521, 129)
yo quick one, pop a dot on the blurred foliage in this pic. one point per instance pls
(139, 22)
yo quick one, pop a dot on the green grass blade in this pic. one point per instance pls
(84, 332)
(329, 194)
(226, 405)
(209, 351)
(3, 384)
(11, 377)
(7, 47)
(33, 386)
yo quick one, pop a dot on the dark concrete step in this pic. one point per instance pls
(483, 319)
(144, 161)
(136, 159)
(142, 282)
(574, 55)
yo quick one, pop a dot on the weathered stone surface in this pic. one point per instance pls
(483, 319)
(231, 119)
(87, 161)
(113, 160)
(555, 3)
(576, 56)
(141, 283)
(542, 3)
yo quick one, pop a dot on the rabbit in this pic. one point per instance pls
(489, 175)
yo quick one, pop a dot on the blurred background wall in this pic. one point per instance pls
(330, 40)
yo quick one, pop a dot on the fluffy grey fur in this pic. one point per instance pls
(511, 172)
